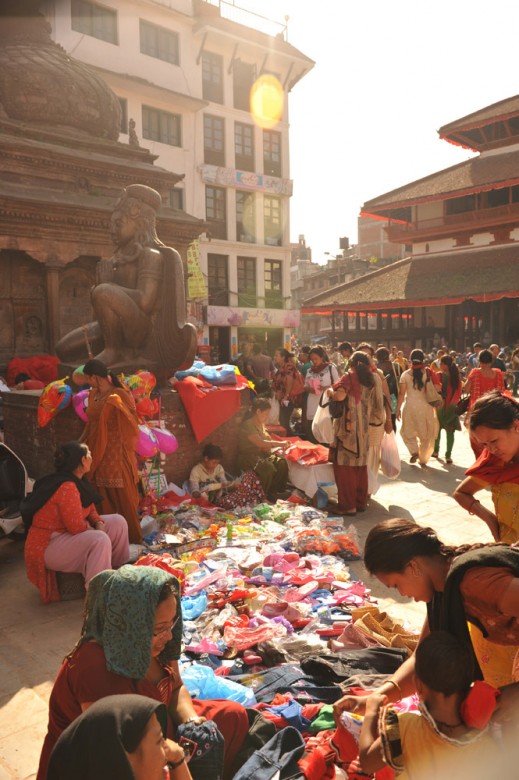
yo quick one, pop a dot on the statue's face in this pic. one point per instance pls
(123, 226)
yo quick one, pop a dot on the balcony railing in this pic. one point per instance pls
(467, 220)
(229, 10)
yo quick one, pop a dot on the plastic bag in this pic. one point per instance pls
(322, 424)
(273, 416)
(202, 683)
(219, 375)
(389, 458)
(373, 483)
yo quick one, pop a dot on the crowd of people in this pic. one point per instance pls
(121, 689)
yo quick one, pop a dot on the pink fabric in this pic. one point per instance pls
(90, 552)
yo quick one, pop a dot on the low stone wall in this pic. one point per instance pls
(35, 446)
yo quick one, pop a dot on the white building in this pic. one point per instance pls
(183, 71)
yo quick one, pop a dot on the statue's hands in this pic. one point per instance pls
(104, 271)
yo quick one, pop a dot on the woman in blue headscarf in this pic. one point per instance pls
(130, 643)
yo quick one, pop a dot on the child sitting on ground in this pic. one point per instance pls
(437, 742)
(207, 479)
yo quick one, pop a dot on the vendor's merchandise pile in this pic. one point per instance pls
(274, 619)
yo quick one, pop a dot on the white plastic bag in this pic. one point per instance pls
(273, 418)
(389, 458)
(322, 424)
(373, 483)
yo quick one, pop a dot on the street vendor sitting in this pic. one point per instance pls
(256, 450)
(207, 478)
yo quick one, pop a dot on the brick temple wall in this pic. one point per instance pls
(35, 446)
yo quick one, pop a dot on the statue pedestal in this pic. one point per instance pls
(35, 446)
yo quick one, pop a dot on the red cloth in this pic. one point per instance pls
(208, 406)
(492, 470)
(306, 451)
(63, 513)
(479, 705)
(42, 367)
(84, 678)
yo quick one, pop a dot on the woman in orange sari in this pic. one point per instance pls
(111, 434)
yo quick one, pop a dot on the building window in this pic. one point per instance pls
(212, 77)
(363, 320)
(159, 42)
(245, 217)
(395, 321)
(244, 76)
(372, 321)
(161, 126)
(273, 284)
(123, 128)
(216, 211)
(176, 199)
(384, 320)
(244, 146)
(247, 281)
(218, 280)
(272, 219)
(95, 20)
(214, 140)
(271, 153)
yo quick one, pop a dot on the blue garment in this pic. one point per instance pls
(280, 754)
(292, 712)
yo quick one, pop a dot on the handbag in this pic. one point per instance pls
(463, 405)
(431, 394)
(336, 409)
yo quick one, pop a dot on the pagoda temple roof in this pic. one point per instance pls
(433, 279)
(485, 172)
(497, 112)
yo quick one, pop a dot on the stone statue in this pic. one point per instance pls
(138, 300)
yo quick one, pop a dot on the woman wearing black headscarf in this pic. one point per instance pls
(65, 531)
(118, 737)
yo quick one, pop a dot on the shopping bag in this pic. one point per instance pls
(373, 483)
(432, 395)
(322, 424)
(389, 457)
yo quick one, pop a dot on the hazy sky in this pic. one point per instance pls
(388, 74)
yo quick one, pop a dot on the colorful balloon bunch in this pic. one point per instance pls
(55, 397)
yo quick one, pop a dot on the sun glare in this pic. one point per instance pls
(266, 101)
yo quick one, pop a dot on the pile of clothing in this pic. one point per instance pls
(274, 619)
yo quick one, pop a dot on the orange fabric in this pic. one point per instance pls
(482, 588)
(63, 513)
(111, 433)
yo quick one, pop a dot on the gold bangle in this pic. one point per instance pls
(399, 689)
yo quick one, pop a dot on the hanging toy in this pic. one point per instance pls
(166, 441)
(80, 403)
(55, 397)
(147, 444)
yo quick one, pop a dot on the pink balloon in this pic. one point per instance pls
(167, 442)
(147, 444)
(80, 403)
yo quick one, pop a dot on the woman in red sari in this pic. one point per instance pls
(480, 381)
(111, 433)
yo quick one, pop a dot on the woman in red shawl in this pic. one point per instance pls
(494, 422)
